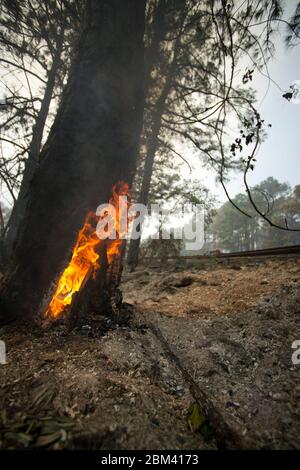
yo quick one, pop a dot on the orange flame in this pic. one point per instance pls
(85, 256)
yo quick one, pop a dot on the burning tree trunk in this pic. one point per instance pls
(93, 273)
(92, 145)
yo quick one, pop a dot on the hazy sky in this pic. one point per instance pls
(279, 155)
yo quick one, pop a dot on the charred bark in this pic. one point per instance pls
(100, 294)
(93, 144)
(93, 296)
(2, 228)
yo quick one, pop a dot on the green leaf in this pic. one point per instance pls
(195, 419)
(198, 422)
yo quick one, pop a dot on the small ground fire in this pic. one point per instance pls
(85, 260)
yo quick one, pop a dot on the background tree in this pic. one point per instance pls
(204, 100)
(167, 22)
(172, 193)
(233, 231)
(36, 40)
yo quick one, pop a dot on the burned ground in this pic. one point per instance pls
(218, 334)
(208, 287)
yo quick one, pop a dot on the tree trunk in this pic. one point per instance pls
(32, 161)
(159, 33)
(151, 146)
(2, 227)
(93, 144)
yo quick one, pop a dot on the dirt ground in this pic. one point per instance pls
(213, 336)
(215, 288)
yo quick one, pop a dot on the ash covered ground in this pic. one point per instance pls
(202, 362)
